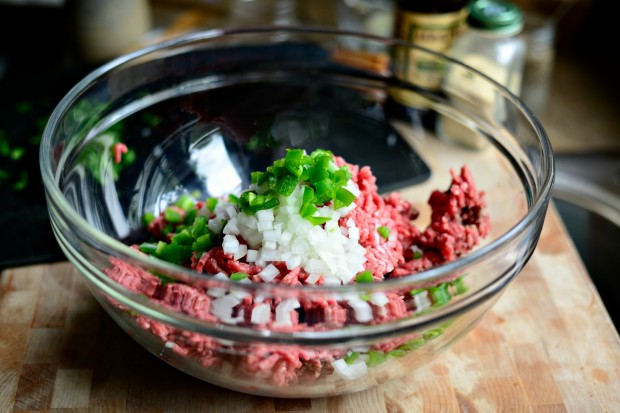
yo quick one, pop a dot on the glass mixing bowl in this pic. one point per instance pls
(196, 115)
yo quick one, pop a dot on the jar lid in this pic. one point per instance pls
(495, 15)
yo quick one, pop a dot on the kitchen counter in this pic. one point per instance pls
(547, 345)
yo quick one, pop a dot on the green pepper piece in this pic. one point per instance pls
(238, 276)
(173, 215)
(286, 185)
(185, 202)
(307, 210)
(351, 357)
(148, 248)
(292, 161)
(397, 353)
(345, 196)
(414, 344)
(211, 203)
(375, 358)
(199, 227)
(432, 334)
(203, 242)
(364, 277)
(460, 286)
(183, 238)
(317, 220)
(439, 295)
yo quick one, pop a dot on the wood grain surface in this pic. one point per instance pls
(547, 346)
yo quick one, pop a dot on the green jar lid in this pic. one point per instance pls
(495, 15)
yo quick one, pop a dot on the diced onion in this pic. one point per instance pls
(379, 299)
(313, 278)
(361, 309)
(261, 314)
(350, 371)
(283, 311)
(230, 244)
(268, 273)
(231, 227)
(223, 307)
(216, 292)
(242, 250)
(251, 255)
(283, 235)
(422, 301)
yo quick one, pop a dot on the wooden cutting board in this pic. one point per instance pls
(547, 346)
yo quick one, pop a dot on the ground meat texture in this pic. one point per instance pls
(458, 223)
(372, 212)
(133, 278)
(216, 260)
(186, 299)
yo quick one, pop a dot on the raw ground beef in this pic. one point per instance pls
(458, 223)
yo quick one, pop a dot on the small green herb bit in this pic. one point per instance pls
(383, 231)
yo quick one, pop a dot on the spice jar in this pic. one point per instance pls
(491, 43)
(433, 25)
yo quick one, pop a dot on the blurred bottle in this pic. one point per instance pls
(108, 29)
(432, 24)
(369, 16)
(492, 43)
